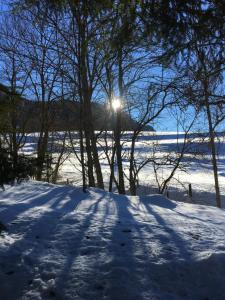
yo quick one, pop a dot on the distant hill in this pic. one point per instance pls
(64, 115)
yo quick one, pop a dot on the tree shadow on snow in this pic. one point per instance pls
(33, 223)
(99, 245)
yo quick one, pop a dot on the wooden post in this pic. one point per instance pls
(167, 192)
(190, 190)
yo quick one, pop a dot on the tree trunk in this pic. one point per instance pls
(90, 171)
(119, 153)
(118, 127)
(132, 180)
(86, 92)
(96, 162)
(82, 161)
(41, 154)
(213, 151)
(112, 174)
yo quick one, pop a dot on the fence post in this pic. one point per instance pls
(167, 192)
(190, 190)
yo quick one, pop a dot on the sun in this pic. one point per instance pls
(116, 104)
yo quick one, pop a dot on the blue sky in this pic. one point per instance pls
(166, 121)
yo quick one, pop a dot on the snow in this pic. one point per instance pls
(63, 244)
(198, 168)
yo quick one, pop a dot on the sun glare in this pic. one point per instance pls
(116, 104)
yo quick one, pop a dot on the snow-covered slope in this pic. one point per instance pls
(63, 244)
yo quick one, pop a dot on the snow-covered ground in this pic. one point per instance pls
(198, 167)
(63, 244)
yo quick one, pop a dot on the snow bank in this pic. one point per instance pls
(63, 244)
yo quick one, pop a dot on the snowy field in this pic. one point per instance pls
(196, 163)
(66, 245)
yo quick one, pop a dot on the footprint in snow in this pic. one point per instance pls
(99, 287)
(2, 227)
(126, 230)
(10, 272)
(170, 249)
(52, 294)
(194, 235)
(30, 281)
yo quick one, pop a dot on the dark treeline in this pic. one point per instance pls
(152, 55)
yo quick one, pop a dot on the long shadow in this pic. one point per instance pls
(191, 279)
(115, 268)
(81, 244)
(185, 276)
(127, 247)
(101, 258)
(34, 233)
(96, 245)
(173, 237)
(45, 198)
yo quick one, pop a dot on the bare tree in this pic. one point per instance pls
(203, 90)
(172, 161)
